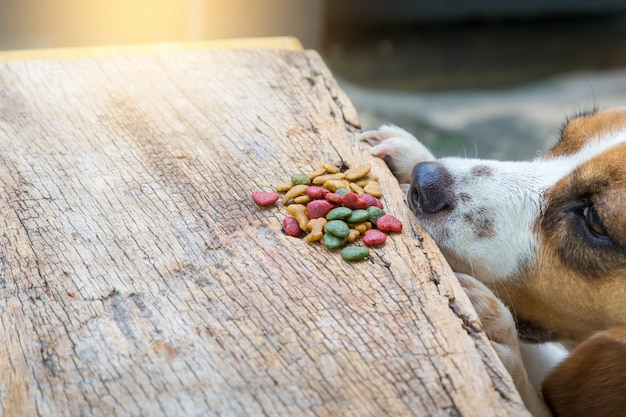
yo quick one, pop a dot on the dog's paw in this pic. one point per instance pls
(399, 148)
(497, 321)
(499, 326)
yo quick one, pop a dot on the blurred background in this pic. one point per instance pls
(488, 78)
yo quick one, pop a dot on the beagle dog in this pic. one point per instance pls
(540, 249)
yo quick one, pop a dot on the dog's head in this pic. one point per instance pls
(548, 236)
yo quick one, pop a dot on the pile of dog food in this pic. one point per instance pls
(335, 208)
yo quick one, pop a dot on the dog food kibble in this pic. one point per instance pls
(316, 229)
(366, 179)
(327, 177)
(264, 199)
(374, 237)
(293, 192)
(303, 199)
(333, 242)
(284, 187)
(352, 200)
(318, 208)
(291, 227)
(353, 236)
(339, 213)
(334, 185)
(300, 179)
(388, 223)
(373, 188)
(334, 198)
(358, 216)
(361, 227)
(358, 172)
(299, 212)
(316, 193)
(354, 253)
(330, 168)
(338, 228)
(334, 207)
(371, 200)
(356, 188)
(375, 213)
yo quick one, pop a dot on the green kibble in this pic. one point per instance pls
(339, 213)
(354, 253)
(298, 179)
(333, 242)
(375, 213)
(338, 228)
(341, 191)
(358, 216)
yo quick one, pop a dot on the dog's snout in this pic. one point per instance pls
(431, 188)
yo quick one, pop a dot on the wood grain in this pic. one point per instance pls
(139, 278)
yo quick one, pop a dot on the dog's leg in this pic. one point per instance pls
(591, 381)
(401, 150)
(499, 327)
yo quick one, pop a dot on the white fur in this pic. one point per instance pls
(539, 359)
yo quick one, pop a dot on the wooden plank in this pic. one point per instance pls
(284, 42)
(139, 278)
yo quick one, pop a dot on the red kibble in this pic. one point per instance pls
(264, 199)
(388, 223)
(318, 208)
(352, 201)
(316, 193)
(374, 237)
(371, 200)
(334, 198)
(290, 224)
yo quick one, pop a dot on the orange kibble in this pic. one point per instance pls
(303, 199)
(331, 169)
(295, 191)
(299, 212)
(361, 227)
(353, 235)
(316, 229)
(323, 178)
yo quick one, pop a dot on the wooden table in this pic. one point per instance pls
(139, 278)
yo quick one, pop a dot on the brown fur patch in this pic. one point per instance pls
(481, 222)
(592, 380)
(482, 171)
(590, 125)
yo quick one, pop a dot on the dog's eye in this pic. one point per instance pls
(593, 222)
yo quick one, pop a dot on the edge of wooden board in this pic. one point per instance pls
(282, 42)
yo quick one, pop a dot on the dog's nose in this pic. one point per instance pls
(431, 188)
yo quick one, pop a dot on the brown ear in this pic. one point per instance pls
(591, 382)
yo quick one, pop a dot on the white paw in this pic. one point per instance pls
(401, 150)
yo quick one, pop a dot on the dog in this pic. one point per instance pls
(540, 249)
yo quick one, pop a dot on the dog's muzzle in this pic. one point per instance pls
(431, 189)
